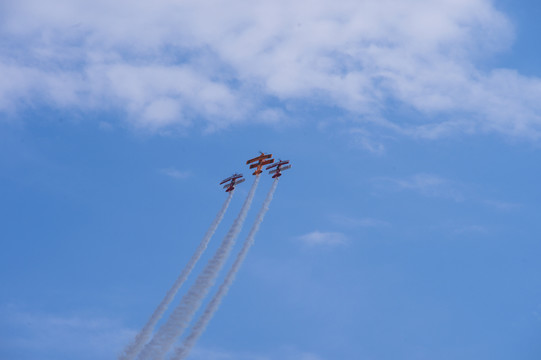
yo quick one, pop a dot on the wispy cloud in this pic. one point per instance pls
(317, 238)
(282, 353)
(425, 184)
(50, 335)
(208, 354)
(105, 126)
(170, 63)
(472, 229)
(431, 185)
(537, 313)
(175, 173)
(502, 205)
(365, 139)
(358, 222)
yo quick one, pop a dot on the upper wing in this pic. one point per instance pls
(260, 157)
(226, 180)
(254, 159)
(232, 177)
(280, 169)
(279, 163)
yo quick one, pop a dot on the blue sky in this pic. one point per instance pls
(407, 228)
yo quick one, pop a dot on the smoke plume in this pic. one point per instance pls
(183, 351)
(191, 301)
(141, 339)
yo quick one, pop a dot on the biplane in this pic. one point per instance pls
(280, 166)
(259, 162)
(232, 181)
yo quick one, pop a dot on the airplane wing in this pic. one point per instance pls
(232, 177)
(273, 165)
(233, 184)
(252, 160)
(260, 157)
(280, 169)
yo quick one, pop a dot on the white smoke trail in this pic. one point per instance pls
(182, 352)
(191, 301)
(141, 339)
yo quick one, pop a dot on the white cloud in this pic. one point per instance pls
(317, 238)
(502, 205)
(168, 63)
(175, 173)
(364, 139)
(281, 353)
(161, 112)
(105, 126)
(537, 313)
(208, 354)
(472, 229)
(50, 335)
(358, 222)
(426, 184)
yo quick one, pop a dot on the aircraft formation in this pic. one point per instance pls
(153, 342)
(257, 163)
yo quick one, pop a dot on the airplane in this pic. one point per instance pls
(232, 181)
(259, 162)
(281, 165)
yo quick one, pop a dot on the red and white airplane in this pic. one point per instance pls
(280, 166)
(232, 181)
(259, 162)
